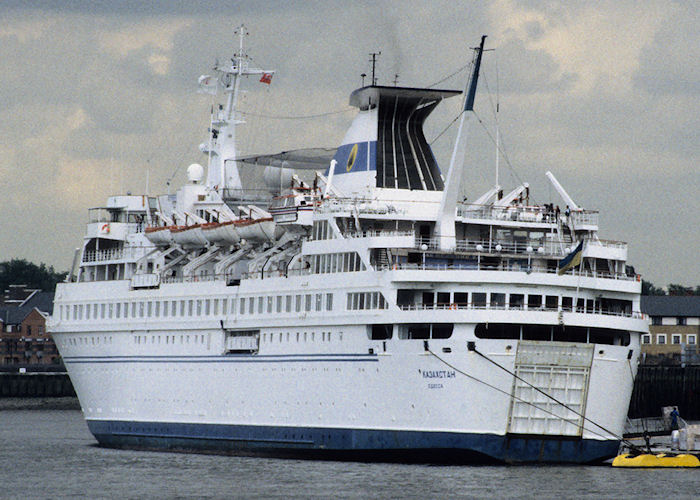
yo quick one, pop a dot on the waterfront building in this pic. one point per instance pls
(674, 329)
(23, 336)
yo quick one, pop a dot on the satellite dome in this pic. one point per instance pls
(195, 172)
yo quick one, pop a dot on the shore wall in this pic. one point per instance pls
(32, 384)
(659, 386)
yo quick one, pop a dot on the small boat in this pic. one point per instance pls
(189, 236)
(159, 236)
(263, 229)
(656, 460)
(221, 233)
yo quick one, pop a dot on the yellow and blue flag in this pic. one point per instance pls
(571, 260)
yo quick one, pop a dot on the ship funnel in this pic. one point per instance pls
(385, 146)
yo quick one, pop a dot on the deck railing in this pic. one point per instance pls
(108, 254)
(508, 307)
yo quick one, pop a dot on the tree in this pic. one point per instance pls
(21, 272)
(648, 288)
(674, 289)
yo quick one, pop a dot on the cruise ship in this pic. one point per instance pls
(357, 307)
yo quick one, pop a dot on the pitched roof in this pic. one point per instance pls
(671, 305)
(14, 315)
(41, 300)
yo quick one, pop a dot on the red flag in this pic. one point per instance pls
(266, 78)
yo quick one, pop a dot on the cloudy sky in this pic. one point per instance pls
(97, 96)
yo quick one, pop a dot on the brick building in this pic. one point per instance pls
(23, 337)
(674, 329)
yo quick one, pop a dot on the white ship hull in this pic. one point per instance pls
(167, 382)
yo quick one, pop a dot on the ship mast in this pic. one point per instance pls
(445, 225)
(226, 118)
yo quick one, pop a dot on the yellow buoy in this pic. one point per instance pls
(659, 460)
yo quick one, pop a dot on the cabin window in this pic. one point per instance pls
(424, 331)
(251, 305)
(149, 309)
(242, 308)
(288, 303)
(479, 299)
(580, 305)
(329, 302)
(517, 300)
(443, 298)
(461, 299)
(207, 307)
(498, 300)
(216, 306)
(297, 304)
(551, 302)
(567, 303)
(379, 332)
(279, 304)
(307, 302)
(269, 304)
(534, 301)
(261, 305)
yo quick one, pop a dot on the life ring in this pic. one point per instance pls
(105, 228)
(639, 277)
(453, 306)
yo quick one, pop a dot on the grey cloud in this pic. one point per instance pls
(669, 64)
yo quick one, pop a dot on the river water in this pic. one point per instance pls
(49, 453)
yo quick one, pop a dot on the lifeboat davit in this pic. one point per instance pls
(221, 233)
(263, 229)
(189, 236)
(159, 236)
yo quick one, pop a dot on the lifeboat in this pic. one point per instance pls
(263, 229)
(656, 460)
(221, 233)
(159, 236)
(189, 236)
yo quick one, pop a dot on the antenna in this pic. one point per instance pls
(374, 56)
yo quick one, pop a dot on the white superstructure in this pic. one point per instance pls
(366, 313)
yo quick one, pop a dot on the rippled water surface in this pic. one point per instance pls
(51, 454)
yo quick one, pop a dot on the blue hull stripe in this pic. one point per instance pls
(231, 358)
(274, 440)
